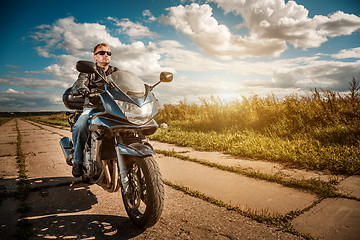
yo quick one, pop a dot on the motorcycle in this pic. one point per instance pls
(117, 154)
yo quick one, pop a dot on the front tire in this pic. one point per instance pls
(144, 199)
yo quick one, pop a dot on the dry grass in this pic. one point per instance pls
(320, 131)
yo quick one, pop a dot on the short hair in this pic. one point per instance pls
(101, 45)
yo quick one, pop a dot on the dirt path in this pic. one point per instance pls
(64, 210)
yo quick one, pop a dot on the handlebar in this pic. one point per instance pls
(89, 95)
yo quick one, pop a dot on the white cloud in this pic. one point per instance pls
(290, 22)
(347, 53)
(270, 23)
(10, 90)
(296, 73)
(276, 19)
(78, 39)
(284, 79)
(337, 24)
(139, 58)
(13, 66)
(133, 30)
(34, 83)
(331, 75)
(197, 22)
(64, 70)
(73, 38)
(147, 14)
(178, 58)
(19, 101)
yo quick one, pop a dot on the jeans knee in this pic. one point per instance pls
(81, 125)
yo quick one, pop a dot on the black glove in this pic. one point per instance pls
(80, 90)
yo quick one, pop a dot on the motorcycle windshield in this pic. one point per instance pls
(129, 83)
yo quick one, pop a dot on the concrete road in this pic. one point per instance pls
(60, 208)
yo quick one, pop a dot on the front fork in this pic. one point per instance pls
(122, 165)
(137, 149)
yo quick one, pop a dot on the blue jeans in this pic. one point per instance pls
(80, 133)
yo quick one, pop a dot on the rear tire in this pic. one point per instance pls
(144, 200)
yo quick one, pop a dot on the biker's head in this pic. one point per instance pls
(102, 55)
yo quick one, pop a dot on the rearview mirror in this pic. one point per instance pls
(166, 77)
(86, 67)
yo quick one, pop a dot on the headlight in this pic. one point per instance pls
(135, 114)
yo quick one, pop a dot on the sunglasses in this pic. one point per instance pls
(103, 53)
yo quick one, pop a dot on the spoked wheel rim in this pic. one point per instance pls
(135, 195)
(144, 197)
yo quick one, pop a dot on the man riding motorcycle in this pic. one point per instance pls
(89, 83)
(109, 127)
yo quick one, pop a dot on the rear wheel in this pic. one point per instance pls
(144, 198)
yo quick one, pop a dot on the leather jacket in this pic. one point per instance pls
(92, 82)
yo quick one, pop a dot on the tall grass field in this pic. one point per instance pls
(319, 131)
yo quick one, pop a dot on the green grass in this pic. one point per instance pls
(320, 131)
(56, 119)
(4, 120)
(24, 230)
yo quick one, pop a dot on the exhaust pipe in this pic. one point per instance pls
(67, 148)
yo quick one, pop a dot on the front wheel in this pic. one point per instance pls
(144, 199)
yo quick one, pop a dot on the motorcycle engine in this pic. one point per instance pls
(93, 167)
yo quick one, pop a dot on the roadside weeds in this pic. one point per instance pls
(321, 188)
(279, 221)
(23, 227)
(24, 230)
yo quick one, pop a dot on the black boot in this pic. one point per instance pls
(77, 170)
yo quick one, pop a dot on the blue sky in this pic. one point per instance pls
(222, 48)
